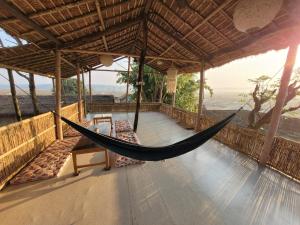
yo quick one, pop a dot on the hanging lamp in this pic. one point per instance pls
(106, 60)
(252, 15)
(171, 79)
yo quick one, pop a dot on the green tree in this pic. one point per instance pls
(69, 87)
(186, 93)
(264, 95)
(152, 82)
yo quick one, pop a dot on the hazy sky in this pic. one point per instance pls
(233, 75)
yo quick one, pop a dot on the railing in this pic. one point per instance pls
(285, 155)
(20, 142)
(122, 107)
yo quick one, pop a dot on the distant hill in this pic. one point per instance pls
(46, 89)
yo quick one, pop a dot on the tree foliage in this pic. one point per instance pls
(69, 87)
(264, 95)
(154, 81)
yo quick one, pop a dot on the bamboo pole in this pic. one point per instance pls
(79, 94)
(140, 76)
(173, 99)
(128, 74)
(84, 93)
(53, 85)
(161, 91)
(90, 52)
(59, 132)
(32, 90)
(280, 101)
(14, 94)
(201, 93)
(90, 87)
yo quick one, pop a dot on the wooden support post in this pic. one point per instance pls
(84, 93)
(140, 75)
(33, 94)
(53, 85)
(161, 91)
(280, 102)
(128, 74)
(14, 94)
(90, 88)
(173, 99)
(201, 94)
(79, 94)
(59, 131)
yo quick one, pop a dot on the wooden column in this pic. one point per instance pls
(128, 74)
(161, 91)
(84, 93)
(32, 90)
(53, 85)
(173, 99)
(201, 94)
(280, 100)
(79, 94)
(140, 75)
(90, 87)
(14, 94)
(59, 131)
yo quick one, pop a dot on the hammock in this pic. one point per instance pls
(146, 153)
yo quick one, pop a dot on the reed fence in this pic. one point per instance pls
(285, 155)
(121, 107)
(20, 142)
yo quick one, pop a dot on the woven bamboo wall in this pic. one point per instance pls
(285, 155)
(122, 107)
(70, 112)
(20, 142)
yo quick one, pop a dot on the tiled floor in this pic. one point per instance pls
(211, 185)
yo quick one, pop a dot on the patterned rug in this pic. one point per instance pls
(71, 132)
(124, 132)
(122, 126)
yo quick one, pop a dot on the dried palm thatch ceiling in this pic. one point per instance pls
(193, 30)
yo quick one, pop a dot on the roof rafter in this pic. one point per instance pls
(61, 8)
(145, 13)
(19, 14)
(217, 10)
(96, 36)
(169, 10)
(189, 47)
(101, 25)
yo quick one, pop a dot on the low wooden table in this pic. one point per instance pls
(102, 118)
(85, 146)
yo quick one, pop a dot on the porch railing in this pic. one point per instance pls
(285, 155)
(22, 141)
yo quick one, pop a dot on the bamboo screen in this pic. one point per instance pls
(20, 142)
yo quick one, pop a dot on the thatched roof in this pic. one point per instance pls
(203, 29)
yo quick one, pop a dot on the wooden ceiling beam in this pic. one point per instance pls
(254, 38)
(60, 9)
(101, 23)
(19, 14)
(145, 13)
(186, 45)
(66, 22)
(175, 32)
(81, 51)
(26, 70)
(98, 35)
(217, 10)
(169, 10)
